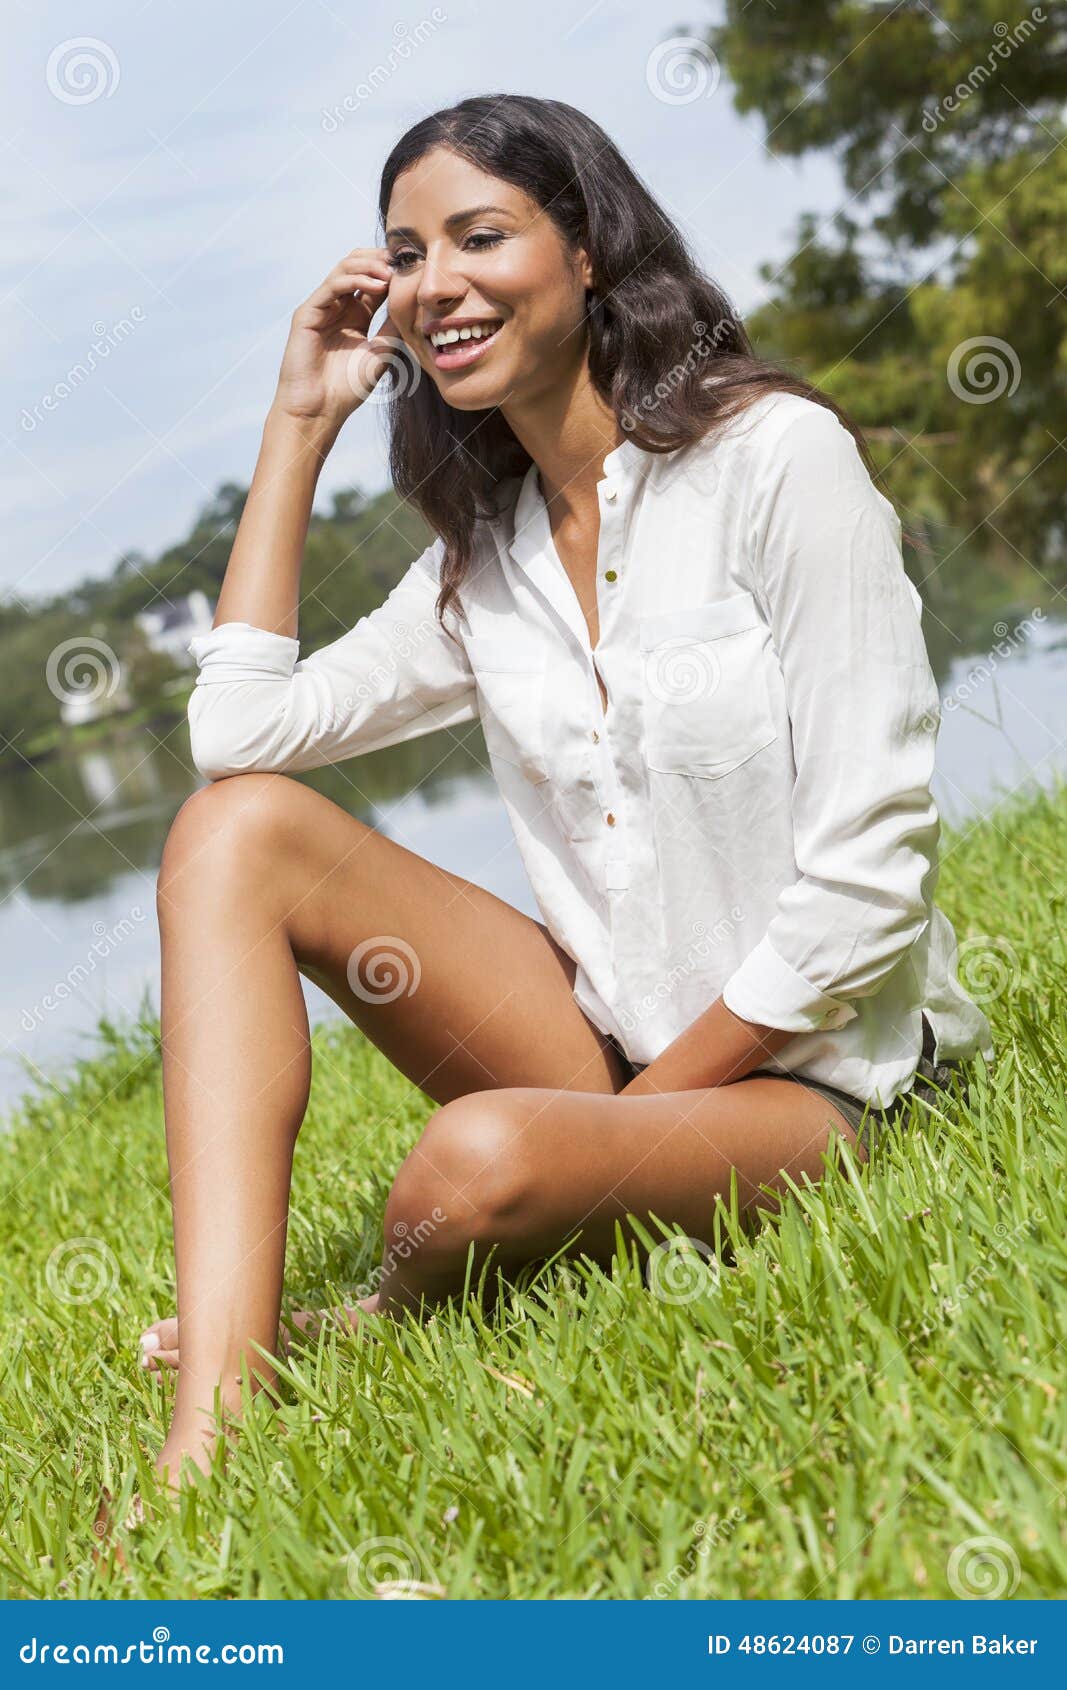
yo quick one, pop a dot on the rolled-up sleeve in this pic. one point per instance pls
(864, 710)
(395, 675)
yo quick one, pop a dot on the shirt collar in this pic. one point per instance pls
(530, 520)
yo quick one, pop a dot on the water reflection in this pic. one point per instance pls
(81, 834)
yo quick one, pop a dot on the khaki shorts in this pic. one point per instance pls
(930, 1077)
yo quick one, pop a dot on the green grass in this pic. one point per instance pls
(876, 1382)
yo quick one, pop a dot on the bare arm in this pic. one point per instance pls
(718, 1047)
(262, 582)
(330, 366)
(257, 705)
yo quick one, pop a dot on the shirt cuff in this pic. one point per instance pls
(766, 990)
(237, 651)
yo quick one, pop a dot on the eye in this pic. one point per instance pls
(481, 242)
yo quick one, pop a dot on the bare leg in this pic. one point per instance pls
(262, 878)
(521, 1171)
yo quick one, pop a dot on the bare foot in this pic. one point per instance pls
(185, 1451)
(159, 1343)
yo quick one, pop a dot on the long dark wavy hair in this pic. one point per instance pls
(658, 328)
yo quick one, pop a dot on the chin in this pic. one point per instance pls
(473, 396)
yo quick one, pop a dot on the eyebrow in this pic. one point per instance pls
(452, 222)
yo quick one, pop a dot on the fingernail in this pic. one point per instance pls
(150, 1340)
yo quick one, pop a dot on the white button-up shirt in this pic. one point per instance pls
(750, 816)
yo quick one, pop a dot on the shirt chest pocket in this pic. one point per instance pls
(706, 692)
(513, 685)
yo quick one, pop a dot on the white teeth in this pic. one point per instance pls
(476, 331)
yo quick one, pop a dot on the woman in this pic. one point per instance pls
(663, 579)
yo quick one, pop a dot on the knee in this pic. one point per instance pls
(468, 1180)
(220, 830)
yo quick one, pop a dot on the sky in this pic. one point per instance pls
(176, 178)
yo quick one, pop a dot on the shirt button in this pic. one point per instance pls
(610, 819)
(611, 494)
(611, 575)
(595, 737)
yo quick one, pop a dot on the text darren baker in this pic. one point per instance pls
(784, 1644)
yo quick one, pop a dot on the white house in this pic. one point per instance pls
(169, 627)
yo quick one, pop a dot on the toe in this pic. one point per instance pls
(155, 1361)
(159, 1346)
(164, 1332)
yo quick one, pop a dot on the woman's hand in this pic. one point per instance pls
(332, 363)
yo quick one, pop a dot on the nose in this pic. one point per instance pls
(438, 286)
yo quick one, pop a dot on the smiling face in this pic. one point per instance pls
(482, 269)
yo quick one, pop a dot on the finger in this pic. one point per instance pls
(366, 290)
(366, 256)
(371, 290)
(363, 264)
(360, 282)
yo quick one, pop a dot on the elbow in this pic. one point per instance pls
(211, 769)
(218, 747)
(213, 759)
(895, 886)
(890, 934)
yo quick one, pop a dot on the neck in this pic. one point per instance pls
(568, 433)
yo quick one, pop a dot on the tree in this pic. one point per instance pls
(934, 307)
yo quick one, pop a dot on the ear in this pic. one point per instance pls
(585, 269)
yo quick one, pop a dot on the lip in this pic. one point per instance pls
(462, 352)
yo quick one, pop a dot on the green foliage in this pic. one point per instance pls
(874, 1381)
(948, 125)
(352, 559)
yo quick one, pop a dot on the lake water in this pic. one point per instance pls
(81, 835)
